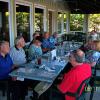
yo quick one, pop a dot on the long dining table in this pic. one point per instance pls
(48, 70)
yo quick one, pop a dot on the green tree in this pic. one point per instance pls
(94, 22)
(76, 22)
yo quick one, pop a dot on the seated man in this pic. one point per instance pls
(18, 57)
(76, 75)
(5, 60)
(68, 66)
(46, 45)
(53, 39)
(17, 53)
(35, 49)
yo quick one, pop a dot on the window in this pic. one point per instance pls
(23, 21)
(94, 22)
(76, 22)
(39, 20)
(59, 22)
(4, 21)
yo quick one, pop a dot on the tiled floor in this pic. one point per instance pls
(4, 98)
(95, 97)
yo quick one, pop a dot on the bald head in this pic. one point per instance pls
(77, 57)
(80, 53)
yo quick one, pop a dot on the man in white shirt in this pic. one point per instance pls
(18, 57)
(17, 53)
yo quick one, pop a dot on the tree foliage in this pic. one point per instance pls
(94, 22)
(76, 22)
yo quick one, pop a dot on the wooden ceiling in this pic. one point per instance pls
(83, 6)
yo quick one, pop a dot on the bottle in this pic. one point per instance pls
(39, 61)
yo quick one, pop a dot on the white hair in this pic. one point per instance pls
(17, 40)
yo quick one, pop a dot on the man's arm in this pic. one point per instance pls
(66, 83)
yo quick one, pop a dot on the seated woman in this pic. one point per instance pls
(93, 55)
(36, 34)
(35, 49)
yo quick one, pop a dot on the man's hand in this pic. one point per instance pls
(14, 78)
(14, 67)
(60, 77)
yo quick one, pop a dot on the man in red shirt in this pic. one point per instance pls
(76, 75)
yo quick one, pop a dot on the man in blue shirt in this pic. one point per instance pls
(46, 44)
(6, 66)
(5, 60)
(53, 39)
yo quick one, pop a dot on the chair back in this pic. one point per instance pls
(97, 66)
(77, 95)
(95, 80)
(95, 77)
